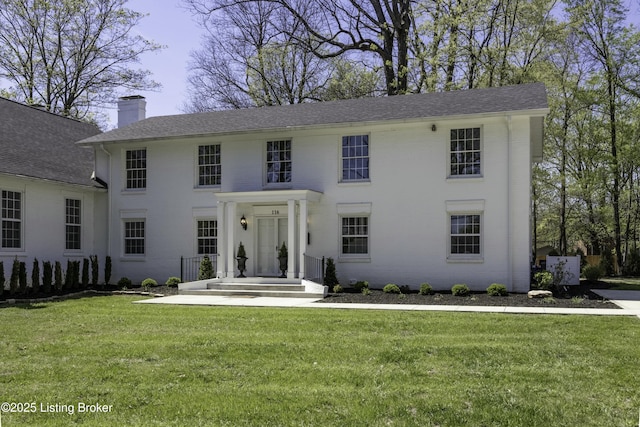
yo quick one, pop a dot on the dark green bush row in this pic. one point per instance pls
(76, 276)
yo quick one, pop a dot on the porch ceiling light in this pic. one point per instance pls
(243, 222)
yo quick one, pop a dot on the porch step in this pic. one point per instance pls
(254, 287)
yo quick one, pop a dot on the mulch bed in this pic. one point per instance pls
(574, 297)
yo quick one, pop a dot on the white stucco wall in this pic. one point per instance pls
(43, 222)
(408, 195)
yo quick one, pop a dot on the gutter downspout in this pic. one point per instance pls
(109, 202)
(509, 255)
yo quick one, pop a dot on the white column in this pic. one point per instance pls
(302, 229)
(222, 238)
(231, 218)
(291, 234)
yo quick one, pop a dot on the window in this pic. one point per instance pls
(72, 224)
(355, 235)
(355, 158)
(465, 235)
(134, 237)
(209, 168)
(465, 152)
(136, 167)
(207, 237)
(278, 161)
(11, 219)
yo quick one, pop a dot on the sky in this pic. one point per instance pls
(169, 24)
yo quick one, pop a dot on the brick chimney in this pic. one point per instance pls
(131, 109)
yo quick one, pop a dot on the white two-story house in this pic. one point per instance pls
(406, 189)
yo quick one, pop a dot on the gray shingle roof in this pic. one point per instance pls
(39, 144)
(364, 110)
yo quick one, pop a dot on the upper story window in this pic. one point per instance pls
(72, 224)
(209, 166)
(465, 152)
(278, 161)
(136, 169)
(355, 158)
(11, 219)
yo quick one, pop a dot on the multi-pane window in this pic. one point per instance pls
(355, 158)
(134, 237)
(465, 152)
(209, 167)
(11, 219)
(72, 224)
(136, 167)
(465, 234)
(355, 235)
(278, 161)
(207, 237)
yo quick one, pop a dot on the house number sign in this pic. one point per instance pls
(270, 210)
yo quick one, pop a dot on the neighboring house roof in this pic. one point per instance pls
(38, 144)
(515, 99)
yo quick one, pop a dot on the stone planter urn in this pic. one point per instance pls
(241, 257)
(283, 258)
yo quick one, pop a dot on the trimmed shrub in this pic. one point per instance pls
(85, 273)
(426, 289)
(15, 276)
(22, 278)
(391, 289)
(95, 270)
(337, 289)
(366, 291)
(107, 270)
(592, 273)
(206, 269)
(35, 276)
(330, 278)
(360, 285)
(544, 280)
(497, 290)
(460, 290)
(2, 278)
(47, 276)
(57, 277)
(124, 282)
(149, 283)
(173, 281)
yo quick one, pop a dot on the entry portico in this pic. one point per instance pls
(273, 217)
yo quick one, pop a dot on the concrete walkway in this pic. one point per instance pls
(629, 301)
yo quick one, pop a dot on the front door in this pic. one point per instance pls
(272, 232)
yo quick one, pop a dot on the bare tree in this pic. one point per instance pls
(373, 28)
(71, 56)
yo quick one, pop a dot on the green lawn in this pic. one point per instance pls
(235, 366)
(623, 283)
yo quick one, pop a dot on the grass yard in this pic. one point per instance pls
(155, 365)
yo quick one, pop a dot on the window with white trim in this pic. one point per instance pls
(278, 161)
(355, 235)
(207, 237)
(136, 169)
(465, 235)
(355, 158)
(465, 152)
(134, 237)
(72, 224)
(11, 219)
(209, 166)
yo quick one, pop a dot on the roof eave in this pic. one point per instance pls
(528, 112)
